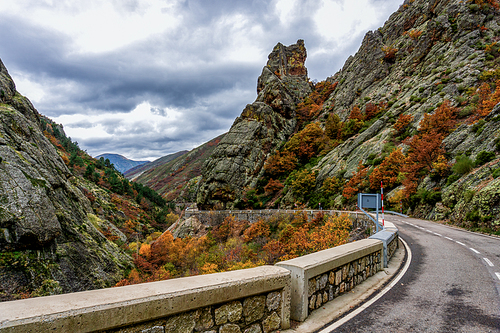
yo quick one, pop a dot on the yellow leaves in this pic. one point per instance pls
(304, 183)
(331, 186)
(208, 268)
(441, 166)
(145, 250)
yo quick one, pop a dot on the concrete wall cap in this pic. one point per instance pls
(155, 299)
(353, 250)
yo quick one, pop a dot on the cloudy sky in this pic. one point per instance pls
(146, 78)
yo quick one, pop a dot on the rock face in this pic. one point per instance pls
(263, 125)
(42, 213)
(427, 52)
(428, 40)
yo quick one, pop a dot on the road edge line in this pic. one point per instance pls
(353, 314)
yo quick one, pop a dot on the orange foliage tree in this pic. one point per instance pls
(389, 170)
(357, 182)
(402, 123)
(306, 143)
(263, 242)
(280, 163)
(487, 100)
(273, 186)
(425, 147)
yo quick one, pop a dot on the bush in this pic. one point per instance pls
(463, 166)
(484, 157)
(452, 178)
(496, 173)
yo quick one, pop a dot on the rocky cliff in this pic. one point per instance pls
(48, 243)
(415, 103)
(238, 160)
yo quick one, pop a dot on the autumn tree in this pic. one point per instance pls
(425, 147)
(389, 171)
(333, 127)
(304, 183)
(273, 186)
(280, 163)
(357, 182)
(306, 143)
(402, 123)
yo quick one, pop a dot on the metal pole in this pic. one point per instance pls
(382, 193)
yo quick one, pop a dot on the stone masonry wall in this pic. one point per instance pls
(255, 314)
(392, 247)
(216, 217)
(327, 286)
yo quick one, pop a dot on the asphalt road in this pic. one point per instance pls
(452, 284)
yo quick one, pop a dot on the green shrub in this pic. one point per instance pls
(463, 166)
(473, 216)
(452, 178)
(466, 111)
(478, 127)
(496, 173)
(484, 157)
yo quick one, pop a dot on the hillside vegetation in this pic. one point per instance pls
(66, 219)
(414, 108)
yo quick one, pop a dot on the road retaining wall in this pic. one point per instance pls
(261, 299)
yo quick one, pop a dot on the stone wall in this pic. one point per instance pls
(251, 300)
(392, 246)
(255, 314)
(321, 276)
(216, 217)
(327, 286)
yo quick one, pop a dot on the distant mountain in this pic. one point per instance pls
(136, 171)
(122, 163)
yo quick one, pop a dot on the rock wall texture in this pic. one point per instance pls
(427, 52)
(47, 242)
(255, 314)
(327, 286)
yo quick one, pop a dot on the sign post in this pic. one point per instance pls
(370, 201)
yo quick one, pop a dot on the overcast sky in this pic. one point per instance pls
(146, 78)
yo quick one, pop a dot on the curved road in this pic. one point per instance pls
(452, 284)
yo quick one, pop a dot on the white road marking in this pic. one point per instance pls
(448, 238)
(435, 233)
(460, 243)
(488, 262)
(474, 250)
(498, 275)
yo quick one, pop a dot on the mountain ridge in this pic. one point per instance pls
(120, 162)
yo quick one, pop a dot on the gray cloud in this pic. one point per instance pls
(196, 70)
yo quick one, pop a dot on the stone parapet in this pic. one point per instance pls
(256, 299)
(390, 239)
(321, 276)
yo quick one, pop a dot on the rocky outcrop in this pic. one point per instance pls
(46, 237)
(424, 54)
(263, 126)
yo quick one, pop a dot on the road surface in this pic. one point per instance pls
(452, 284)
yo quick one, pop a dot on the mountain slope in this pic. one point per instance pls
(48, 243)
(120, 162)
(135, 172)
(177, 179)
(414, 108)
